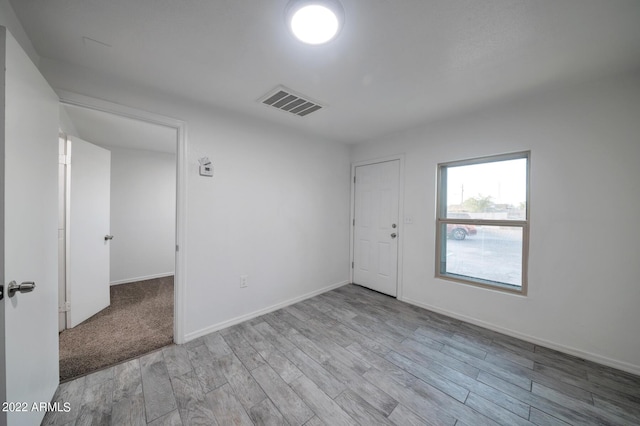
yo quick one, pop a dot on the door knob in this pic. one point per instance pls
(394, 235)
(108, 237)
(25, 287)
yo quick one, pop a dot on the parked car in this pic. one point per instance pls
(459, 231)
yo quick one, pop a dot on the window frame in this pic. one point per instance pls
(442, 221)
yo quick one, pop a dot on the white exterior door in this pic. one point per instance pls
(88, 215)
(376, 226)
(28, 163)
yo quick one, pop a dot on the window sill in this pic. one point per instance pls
(489, 285)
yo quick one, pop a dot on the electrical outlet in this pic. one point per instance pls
(243, 280)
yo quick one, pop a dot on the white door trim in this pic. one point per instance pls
(399, 157)
(180, 287)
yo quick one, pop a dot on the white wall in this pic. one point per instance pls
(584, 264)
(143, 206)
(277, 208)
(66, 124)
(9, 20)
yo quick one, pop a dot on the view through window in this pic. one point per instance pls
(483, 228)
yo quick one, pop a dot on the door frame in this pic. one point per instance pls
(179, 308)
(400, 158)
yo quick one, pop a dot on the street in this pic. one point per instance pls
(494, 254)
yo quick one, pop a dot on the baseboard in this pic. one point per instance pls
(146, 277)
(246, 317)
(610, 362)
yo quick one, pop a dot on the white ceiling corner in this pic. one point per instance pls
(114, 131)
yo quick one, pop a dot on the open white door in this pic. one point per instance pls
(88, 224)
(376, 226)
(28, 159)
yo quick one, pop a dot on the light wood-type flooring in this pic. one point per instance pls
(353, 356)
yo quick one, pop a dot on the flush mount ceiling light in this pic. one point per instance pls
(314, 21)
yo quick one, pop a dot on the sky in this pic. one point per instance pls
(504, 181)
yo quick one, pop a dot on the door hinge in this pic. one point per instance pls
(177, 247)
(352, 265)
(354, 179)
(63, 159)
(64, 308)
(354, 222)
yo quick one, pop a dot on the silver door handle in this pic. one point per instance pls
(394, 235)
(25, 287)
(108, 237)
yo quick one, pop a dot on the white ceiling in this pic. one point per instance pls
(396, 63)
(114, 131)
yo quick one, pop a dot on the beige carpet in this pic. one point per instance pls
(139, 320)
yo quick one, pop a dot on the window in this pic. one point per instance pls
(482, 233)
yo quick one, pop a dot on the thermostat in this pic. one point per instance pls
(206, 168)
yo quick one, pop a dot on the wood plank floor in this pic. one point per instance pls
(353, 356)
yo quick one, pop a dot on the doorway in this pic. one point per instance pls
(376, 225)
(143, 232)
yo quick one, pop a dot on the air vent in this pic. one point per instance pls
(287, 100)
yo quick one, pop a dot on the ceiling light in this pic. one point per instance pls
(315, 22)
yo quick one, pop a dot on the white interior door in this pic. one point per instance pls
(376, 226)
(89, 194)
(28, 165)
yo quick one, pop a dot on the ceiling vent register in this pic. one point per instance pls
(291, 102)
